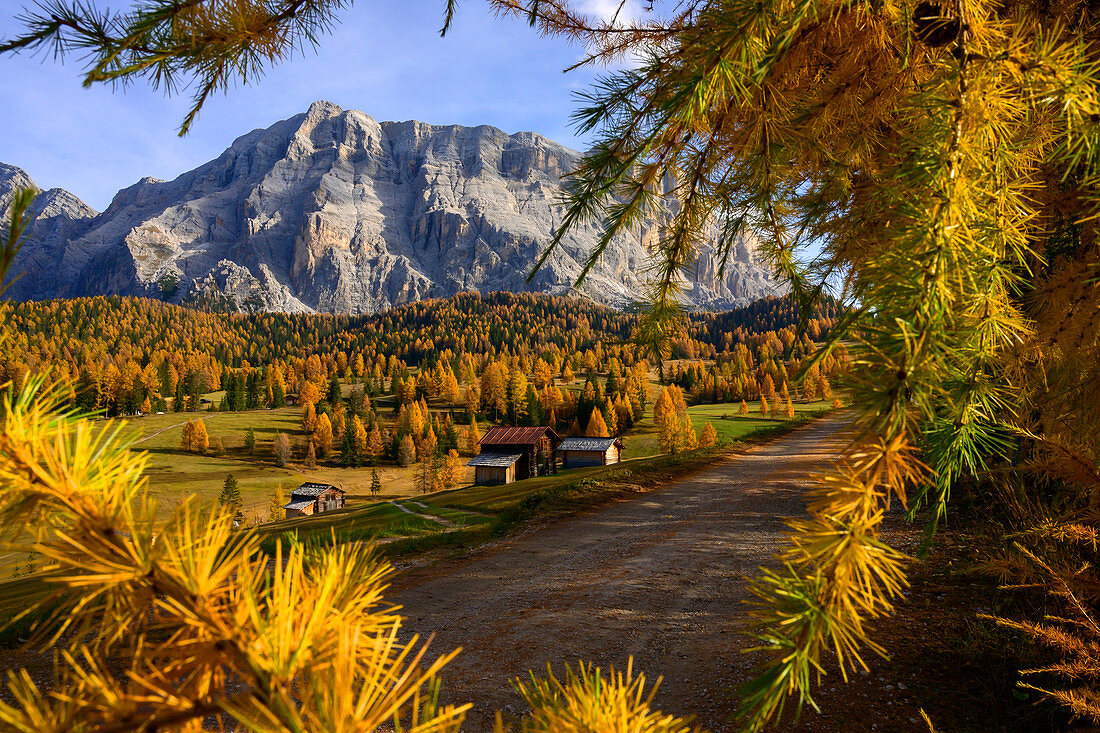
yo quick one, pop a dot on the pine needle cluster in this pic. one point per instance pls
(199, 620)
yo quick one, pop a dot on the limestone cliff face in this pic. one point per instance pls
(333, 211)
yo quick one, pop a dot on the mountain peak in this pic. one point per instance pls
(331, 210)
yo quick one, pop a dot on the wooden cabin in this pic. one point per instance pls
(583, 451)
(510, 454)
(492, 469)
(313, 498)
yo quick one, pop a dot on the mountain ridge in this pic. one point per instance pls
(332, 211)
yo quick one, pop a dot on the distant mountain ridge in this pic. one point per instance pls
(332, 211)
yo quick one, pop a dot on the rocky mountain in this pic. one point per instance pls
(333, 211)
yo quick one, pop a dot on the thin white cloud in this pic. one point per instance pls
(608, 9)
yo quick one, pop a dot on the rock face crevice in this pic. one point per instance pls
(333, 211)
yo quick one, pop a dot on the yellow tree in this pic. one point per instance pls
(322, 436)
(427, 446)
(473, 438)
(406, 451)
(688, 436)
(453, 470)
(494, 389)
(543, 374)
(667, 421)
(517, 391)
(309, 394)
(375, 443)
(709, 436)
(276, 503)
(567, 375)
(108, 387)
(359, 438)
(596, 427)
(200, 440)
(309, 418)
(472, 398)
(281, 448)
(187, 440)
(449, 389)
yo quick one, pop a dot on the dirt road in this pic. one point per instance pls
(658, 577)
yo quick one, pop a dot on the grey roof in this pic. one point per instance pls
(495, 460)
(299, 504)
(313, 489)
(582, 443)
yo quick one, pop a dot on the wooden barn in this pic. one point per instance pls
(312, 498)
(582, 451)
(510, 454)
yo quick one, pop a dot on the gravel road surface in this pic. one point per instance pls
(659, 577)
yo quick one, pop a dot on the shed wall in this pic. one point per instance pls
(582, 458)
(494, 475)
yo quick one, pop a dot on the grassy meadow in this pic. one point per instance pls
(174, 473)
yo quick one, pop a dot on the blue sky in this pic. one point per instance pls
(385, 58)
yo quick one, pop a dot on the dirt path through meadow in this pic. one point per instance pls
(659, 577)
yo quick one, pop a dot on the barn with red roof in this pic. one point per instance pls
(509, 454)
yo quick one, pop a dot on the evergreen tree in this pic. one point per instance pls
(450, 435)
(230, 497)
(348, 454)
(250, 440)
(334, 393)
(179, 399)
(375, 483)
(534, 407)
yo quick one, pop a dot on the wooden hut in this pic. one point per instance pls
(313, 498)
(510, 454)
(583, 451)
(491, 469)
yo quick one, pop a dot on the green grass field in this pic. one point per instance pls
(731, 426)
(174, 473)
